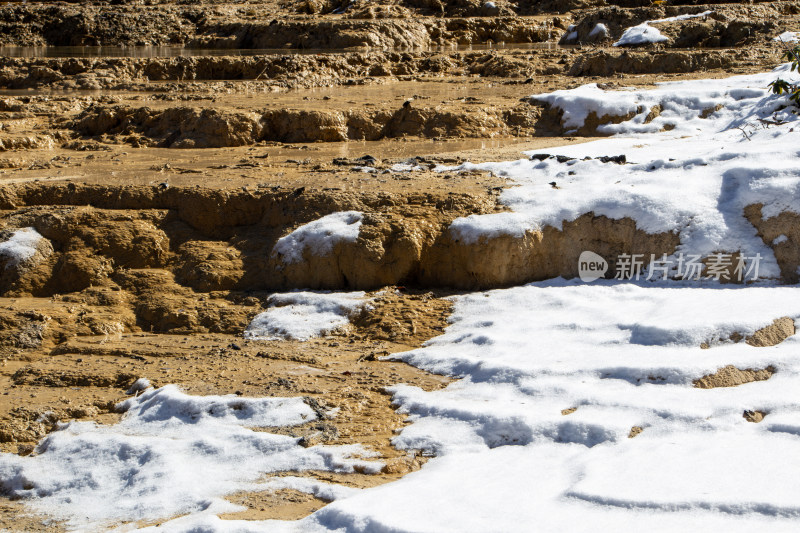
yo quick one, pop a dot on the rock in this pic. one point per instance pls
(21, 252)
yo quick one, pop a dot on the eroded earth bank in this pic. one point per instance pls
(164, 168)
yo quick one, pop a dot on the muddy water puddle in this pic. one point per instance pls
(283, 165)
(180, 51)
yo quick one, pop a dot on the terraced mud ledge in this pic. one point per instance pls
(160, 187)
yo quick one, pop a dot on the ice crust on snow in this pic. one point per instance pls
(319, 236)
(171, 454)
(302, 315)
(695, 179)
(20, 247)
(644, 33)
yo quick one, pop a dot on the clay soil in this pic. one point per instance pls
(162, 174)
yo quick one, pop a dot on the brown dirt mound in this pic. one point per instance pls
(730, 376)
(186, 127)
(771, 335)
(775, 333)
(234, 27)
(609, 62)
(174, 232)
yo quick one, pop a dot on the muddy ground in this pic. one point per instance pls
(161, 179)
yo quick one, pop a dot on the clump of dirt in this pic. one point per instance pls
(403, 314)
(635, 431)
(22, 427)
(404, 239)
(754, 416)
(730, 376)
(270, 72)
(777, 332)
(771, 335)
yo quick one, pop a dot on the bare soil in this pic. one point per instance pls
(162, 178)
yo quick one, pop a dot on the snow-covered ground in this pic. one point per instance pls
(624, 355)
(729, 143)
(171, 454)
(302, 315)
(554, 375)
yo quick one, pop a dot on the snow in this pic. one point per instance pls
(788, 37)
(600, 30)
(171, 454)
(303, 315)
(319, 236)
(694, 179)
(20, 247)
(470, 229)
(625, 355)
(139, 385)
(644, 33)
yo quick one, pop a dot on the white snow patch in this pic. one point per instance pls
(319, 236)
(600, 30)
(695, 179)
(139, 385)
(303, 315)
(20, 247)
(411, 165)
(624, 355)
(470, 229)
(788, 37)
(779, 239)
(644, 33)
(171, 454)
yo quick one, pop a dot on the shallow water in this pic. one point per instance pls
(179, 51)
